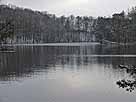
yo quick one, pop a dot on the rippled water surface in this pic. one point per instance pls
(66, 74)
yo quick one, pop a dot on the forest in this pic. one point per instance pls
(22, 25)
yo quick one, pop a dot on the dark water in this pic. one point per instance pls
(66, 74)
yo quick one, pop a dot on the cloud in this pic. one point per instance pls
(77, 7)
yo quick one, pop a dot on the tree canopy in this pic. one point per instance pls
(29, 26)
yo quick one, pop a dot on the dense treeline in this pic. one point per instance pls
(119, 28)
(40, 27)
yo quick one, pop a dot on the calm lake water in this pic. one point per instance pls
(66, 74)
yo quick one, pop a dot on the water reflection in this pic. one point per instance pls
(72, 71)
(28, 60)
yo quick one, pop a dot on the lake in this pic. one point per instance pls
(67, 74)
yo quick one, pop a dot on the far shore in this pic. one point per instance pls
(56, 44)
(108, 43)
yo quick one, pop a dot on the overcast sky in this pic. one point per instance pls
(76, 7)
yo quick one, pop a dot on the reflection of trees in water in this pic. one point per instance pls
(29, 60)
(129, 85)
(115, 50)
(23, 63)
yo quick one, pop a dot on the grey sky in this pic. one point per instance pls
(77, 7)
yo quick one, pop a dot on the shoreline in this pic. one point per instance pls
(56, 44)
